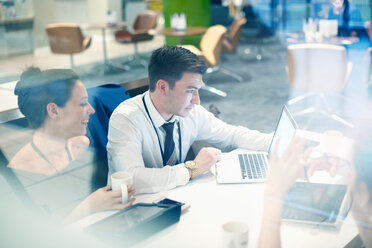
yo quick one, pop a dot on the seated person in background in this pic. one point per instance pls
(286, 169)
(55, 104)
(350, 22)
(150, 134)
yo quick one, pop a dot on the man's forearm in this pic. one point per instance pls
(153, 180)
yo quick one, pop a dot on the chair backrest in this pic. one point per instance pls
(104, 99)
(65, 38)
(145, 20)
(235, 31)
(211, 44)
(317, 67)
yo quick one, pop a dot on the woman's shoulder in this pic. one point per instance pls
(24, 154)
(27, 160)
(77, 146)
(79, 140)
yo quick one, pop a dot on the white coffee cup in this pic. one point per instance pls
(234, 235)
(332, 142)
(120, 181)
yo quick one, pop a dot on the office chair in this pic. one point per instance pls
(104, 99)
(317, 71)
(210, 51)
(231, 41)
(144, 22)
(67, 38)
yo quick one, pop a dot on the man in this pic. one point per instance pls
(140, 130)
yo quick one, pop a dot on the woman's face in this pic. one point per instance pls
(75, 114)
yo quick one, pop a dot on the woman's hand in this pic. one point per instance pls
(100, 200)
(286, 169)
(106, 199)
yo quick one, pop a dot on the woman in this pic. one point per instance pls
(55, 103)
(287, 168)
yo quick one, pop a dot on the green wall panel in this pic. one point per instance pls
(198, 13)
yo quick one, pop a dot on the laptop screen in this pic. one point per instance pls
(285, 130)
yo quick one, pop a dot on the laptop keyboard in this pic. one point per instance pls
(253, 166)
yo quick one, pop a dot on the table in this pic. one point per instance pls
(16, 36)
(9, 103)
(295, 38)
(103, 26)
(180, 34)
(213, 204)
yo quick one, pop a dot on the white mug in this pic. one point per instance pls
(234, 235)
(332, 141)
(119, 181)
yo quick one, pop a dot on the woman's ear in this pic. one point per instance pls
(52, 110)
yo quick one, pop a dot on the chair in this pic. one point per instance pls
(67, 38)
(211, 48)
(104, 99)
(317, 70)
(144, 22)
(230, 43)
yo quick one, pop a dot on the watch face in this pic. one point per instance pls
(190, 164)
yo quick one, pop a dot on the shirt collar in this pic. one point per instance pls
(154, 114)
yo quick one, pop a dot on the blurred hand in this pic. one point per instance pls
(207, 157)
(285, 170)
(106, 199)
(330, 163)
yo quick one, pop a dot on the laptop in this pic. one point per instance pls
(241, 166)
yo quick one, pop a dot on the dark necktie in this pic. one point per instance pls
(169, 156)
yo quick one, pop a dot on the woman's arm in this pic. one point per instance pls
(282, 175)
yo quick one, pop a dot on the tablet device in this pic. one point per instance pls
(135, 223)
(315, 203)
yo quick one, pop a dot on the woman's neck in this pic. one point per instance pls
(48, 142)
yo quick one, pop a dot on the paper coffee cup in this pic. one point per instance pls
(234, 235)
(120, 181)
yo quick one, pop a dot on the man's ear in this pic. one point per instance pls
(162, 86)
(53, 110)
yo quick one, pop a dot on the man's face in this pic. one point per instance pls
(182, 98)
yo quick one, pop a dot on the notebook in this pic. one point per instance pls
(242, 166)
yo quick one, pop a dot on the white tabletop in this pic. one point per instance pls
(8, 99)
(9, 103)
(214, 204)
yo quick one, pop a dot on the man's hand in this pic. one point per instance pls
(207, 157)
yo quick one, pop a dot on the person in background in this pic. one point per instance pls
(55, 104)
(150, 134)
(348, 16)
(350, 22)
(286, 169)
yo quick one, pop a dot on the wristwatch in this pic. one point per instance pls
(193, 167)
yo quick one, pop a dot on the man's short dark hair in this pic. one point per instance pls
(169, 64)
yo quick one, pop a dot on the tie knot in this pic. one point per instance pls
(168, 127)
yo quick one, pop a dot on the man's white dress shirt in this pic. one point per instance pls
(133, 145)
